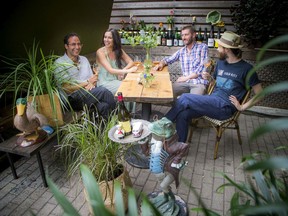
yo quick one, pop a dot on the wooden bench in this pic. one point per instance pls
(10, 147)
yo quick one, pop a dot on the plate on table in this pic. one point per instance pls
(130, 138)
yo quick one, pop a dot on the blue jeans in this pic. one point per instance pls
(190, 106)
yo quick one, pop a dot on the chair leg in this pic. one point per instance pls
(218, 138)
(190, 134)
(238, 133)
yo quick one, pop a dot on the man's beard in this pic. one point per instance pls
(222, 56)
(189, 41)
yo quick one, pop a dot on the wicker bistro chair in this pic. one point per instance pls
(221, 125)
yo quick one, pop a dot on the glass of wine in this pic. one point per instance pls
(95, 68)
(209, 65)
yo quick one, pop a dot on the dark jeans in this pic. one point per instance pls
(99, 96)
(190, 106)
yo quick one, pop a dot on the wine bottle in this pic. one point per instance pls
(218, 37)
(205, 36)
(176, 38)
(159, 36)
(164, 38)
(199, 38)
(124, 118)
(169, 41)
(211, 37)
(180, 41)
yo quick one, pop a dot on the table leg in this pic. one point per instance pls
(136, 158)
(146, 111)
(12, 165)
(41, 168)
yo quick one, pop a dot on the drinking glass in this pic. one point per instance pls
(95, 68)
(208, 65)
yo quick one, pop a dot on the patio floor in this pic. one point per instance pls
(27, 193)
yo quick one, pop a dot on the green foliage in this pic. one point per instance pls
(147, 37)
(31, 76)
(86, 141)
(257, 20)
(96, 200)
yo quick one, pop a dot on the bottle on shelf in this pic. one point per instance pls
(124, 118)
(159, 36)
(180, 41)
(218, 37)
(176, 38)
(211, 37)
(169, 41)
(199, 38)
(164, 38)
(205, 36)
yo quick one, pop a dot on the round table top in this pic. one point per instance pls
(130, 138)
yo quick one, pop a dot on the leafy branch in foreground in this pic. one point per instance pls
(96, 201)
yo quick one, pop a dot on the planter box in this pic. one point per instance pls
(44, 107)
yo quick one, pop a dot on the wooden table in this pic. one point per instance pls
(160, 91)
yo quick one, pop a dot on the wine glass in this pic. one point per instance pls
(95, 67)
(137, 61)
(208, 65)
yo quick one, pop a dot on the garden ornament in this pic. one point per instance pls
(166, 161)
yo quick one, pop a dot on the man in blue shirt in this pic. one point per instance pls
(230, 75)
(191, 58)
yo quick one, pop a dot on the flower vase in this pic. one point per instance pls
(148, 59)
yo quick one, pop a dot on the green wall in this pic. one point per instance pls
(49, 21)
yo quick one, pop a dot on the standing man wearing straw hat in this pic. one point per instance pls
(230, 75)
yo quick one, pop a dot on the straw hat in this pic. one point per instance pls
(230, 40)
(214, 17)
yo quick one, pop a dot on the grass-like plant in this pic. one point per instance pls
(96, 201)
(86, 142)
(32, 76)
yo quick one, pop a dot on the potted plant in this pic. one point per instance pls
(86, 142)
(31, 77)
(96, 203)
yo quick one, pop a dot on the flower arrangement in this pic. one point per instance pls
(147, 38)
(170, 18)
(147, 76)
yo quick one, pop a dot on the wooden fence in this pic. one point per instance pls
(154, 12)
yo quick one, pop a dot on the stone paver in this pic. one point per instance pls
(25, 194)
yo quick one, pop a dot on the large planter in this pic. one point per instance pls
(43, 105)
(107, 190)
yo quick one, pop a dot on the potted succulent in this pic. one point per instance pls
(31, 77)
(86, 142)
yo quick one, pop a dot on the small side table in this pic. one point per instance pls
(134, 155)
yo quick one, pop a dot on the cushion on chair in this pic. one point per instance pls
(216, 121)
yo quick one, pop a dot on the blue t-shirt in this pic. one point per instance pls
(231, 78)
